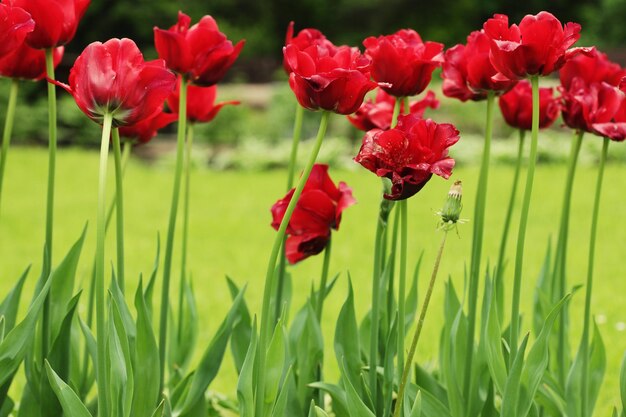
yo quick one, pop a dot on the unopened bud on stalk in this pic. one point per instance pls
(451, 212)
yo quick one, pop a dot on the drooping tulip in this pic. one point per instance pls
(27, 63)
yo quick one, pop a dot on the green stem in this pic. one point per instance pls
(265, 328)
(185, 236)
(396, 112)
(171, 229)
(418, 329)
(392, 256)
(477, 242)
(589, 287)
(8, 128)
(291, 169)
(103, 408)
(402, 282)
(119, 202)
(521, 237)
(322, 292)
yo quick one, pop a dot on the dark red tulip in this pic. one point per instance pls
(336, 81)
(112, 77)
(409, 154)
(591, 68)
(378, 113)
(403, 61)
(15, 24)
(56, 21)
(304, 39)
(517, 106)
(28, 63)
(201, 52)
(467, 70)
(317, 211)
(143, 131)
(585, 106)
(201, 105)
(538, 46)
(616, 128)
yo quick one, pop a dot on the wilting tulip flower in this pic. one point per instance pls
(304, 39)
(585, 106)
(56, 21)
(27, 63)
(143, 131)
(112, 77)
(517, 106)
(468, 73)
(538, 46)
(317, 212)
(378, 113)
(403, 61)
(201, 105)
(15, 24)
(594, 67)
(409, 154)
(335, 81)
(201, 53)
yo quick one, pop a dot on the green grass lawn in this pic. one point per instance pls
(230, 235)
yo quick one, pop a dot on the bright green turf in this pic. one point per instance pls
(230, 235)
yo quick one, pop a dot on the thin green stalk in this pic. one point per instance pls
(265, 328)
(291, 169)
(589, 287)
(171, 229)
(392, 256)
(521, 236)
(322, 291)
(103, 406)
(418, 329)
(560, 260)
(8, 128)
(119, 202)
(185, 236)
(477, 242)
(402, 205)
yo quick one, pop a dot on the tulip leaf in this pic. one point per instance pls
(246, 383)
(622, 385)
(337, 395)
(275, 363)
(493, 343)
(431, 406)
(391, 349)
(347, 348)
(11, 303)
(315, 411)
(280, 406)
(7, 407)
(242, 330)
(356, 406)
(160, 410)
(416, 409)
(72, 405)
(412, 297)
(119, 364)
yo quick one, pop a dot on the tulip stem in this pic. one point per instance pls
(521, 237)
(8, 128)
(322, 291)
(119, 203)
(265, 328)
(589, 287)
(402, 205)
(477, 243)
(560, 260)
(291, 169)
(185, 236)
(418, 329)
(101, 358)
(171, 229)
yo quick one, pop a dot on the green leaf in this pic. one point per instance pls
(347, 347)
(280, 406)
(391, 349)
(412, 296)
(246, 383)
(309, 354)
(514, 387)
(431, 406)
(356, 406)
(493, 343)
(315, 411)
(275, 363)
(416, 410)
(7, 407)
(622, 385)
(11, 303)
(148, 294)
(183, 340)
(160, 410)
(119, 364)
(72, 406)
(242, 330)
(337, 395)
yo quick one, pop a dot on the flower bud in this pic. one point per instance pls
(451, 212)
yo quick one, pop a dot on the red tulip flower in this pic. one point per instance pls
(317, 212)
(403, 61)
(56, 21)
(112, 77)
(409, 154)
(304, 39)
(201, 105)
(144, 130)
(517, 106)
(336, 81)
(538, 46)
(467, 70)
(586, 107)
(15, 24)
(28, 63)
(378, 113)
(201, 52)
(591, 68)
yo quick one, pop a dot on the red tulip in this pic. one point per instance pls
(201, 105)
(591, 68)
(538, 46)
(144, 130)
(304, 39)
(56, 21)
(378, 114)
(336, 81)
(409, 154)
(317, 211)
(15, 24)
(587, 106)
(112, 77)
(468, 73)
(28, 63)
(201, 52)
(517, 106)
(403, 61)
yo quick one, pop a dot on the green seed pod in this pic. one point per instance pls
(451, 212)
